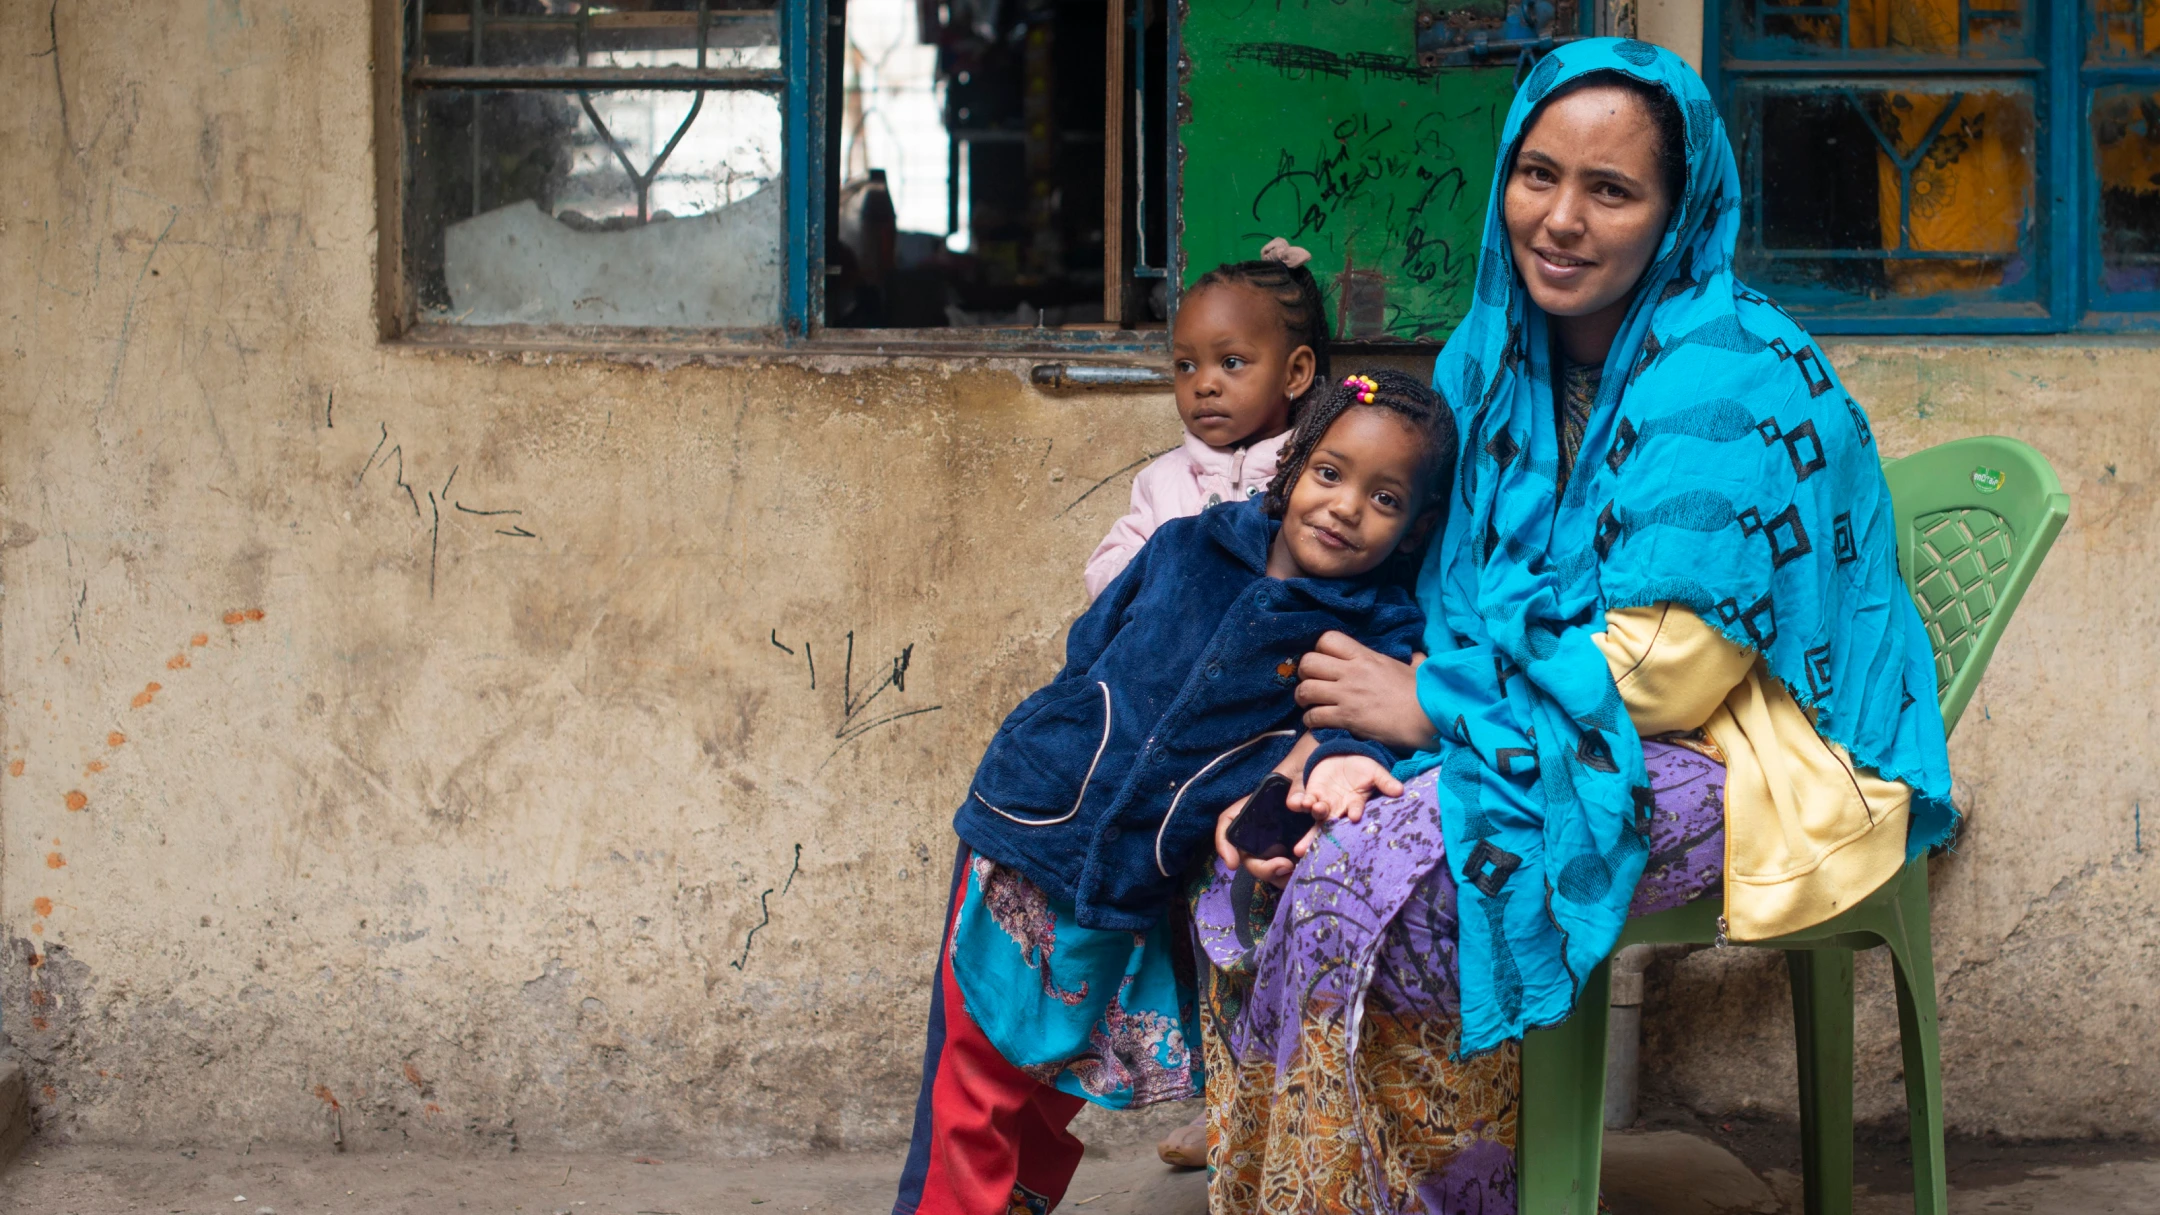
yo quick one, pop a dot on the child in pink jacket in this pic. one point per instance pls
(1249, 343)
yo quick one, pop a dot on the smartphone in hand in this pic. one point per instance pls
(1267, 826)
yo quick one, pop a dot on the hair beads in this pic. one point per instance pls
(1390, 390)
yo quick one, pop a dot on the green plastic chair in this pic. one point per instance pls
(1974, 519)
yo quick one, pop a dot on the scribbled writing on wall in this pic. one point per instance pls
(389, 459)
(855, 716)
(765, 909)
(1318, 123)
(1377, 175)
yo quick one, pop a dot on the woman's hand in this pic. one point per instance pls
(1274, 870)
(1345, 684)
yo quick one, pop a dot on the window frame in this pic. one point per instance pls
(2103, 313)
(2065, 190)
(802, 91)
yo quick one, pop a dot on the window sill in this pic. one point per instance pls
(704, 345)
(2073, 340)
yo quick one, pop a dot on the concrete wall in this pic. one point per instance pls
(334, 807)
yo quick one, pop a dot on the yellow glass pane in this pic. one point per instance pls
(1918, 189)
(2125, 29)
(1971, 186)
(1900, 26)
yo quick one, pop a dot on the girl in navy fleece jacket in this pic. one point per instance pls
(1061, 979)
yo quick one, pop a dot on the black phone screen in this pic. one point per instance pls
(1267, 822)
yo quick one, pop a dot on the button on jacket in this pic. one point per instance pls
(1176, 698)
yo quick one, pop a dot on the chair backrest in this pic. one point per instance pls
(1974, 519)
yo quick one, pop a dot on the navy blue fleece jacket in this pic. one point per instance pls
(1176, 698)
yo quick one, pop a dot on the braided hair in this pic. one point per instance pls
(1395, 392)
(1297, 294)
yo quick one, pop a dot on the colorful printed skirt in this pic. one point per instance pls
(1298, 1120)
(1106, 1016)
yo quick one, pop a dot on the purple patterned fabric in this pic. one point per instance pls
(1371, 909)
(1480, 1180)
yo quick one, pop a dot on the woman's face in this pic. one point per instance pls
(1586, 203)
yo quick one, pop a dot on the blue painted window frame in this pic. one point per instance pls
(800, 85)
(2066, 184)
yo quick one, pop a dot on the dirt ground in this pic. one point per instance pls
(1120, 1177)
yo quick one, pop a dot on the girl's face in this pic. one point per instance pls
(1358, 500)
(1586, 204)
(1235, 369)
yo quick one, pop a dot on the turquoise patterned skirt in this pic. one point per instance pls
(1107, 1016)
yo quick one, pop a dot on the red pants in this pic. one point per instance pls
(989, 1139)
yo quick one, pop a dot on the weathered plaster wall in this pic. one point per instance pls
(335, 804)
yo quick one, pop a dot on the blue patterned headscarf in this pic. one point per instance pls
(1724, 469)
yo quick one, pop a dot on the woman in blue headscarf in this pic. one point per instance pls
(1669, 656)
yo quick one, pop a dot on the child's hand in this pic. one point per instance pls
(1341, 783)
(1274, 870)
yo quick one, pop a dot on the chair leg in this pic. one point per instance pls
(1560, 1133)
(1822, 993)
(1914, 957)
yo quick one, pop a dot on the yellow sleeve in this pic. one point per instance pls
(1672, 669)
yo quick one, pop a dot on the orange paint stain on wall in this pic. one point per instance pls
(39, 1023)
(199, 640)
(145, 696)
(115, 738)
(37, 928)
(41, 905)
(54, 860)
(16, 768)
(75, 800)
(412, 1076)
(249, 616)
(94, 767)
(322, 1093)
(177, 662)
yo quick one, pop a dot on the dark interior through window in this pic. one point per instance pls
(965, 164)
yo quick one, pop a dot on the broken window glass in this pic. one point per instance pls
(1923, 189)
(595, 164)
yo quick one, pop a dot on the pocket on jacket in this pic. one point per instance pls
(1036, 767)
